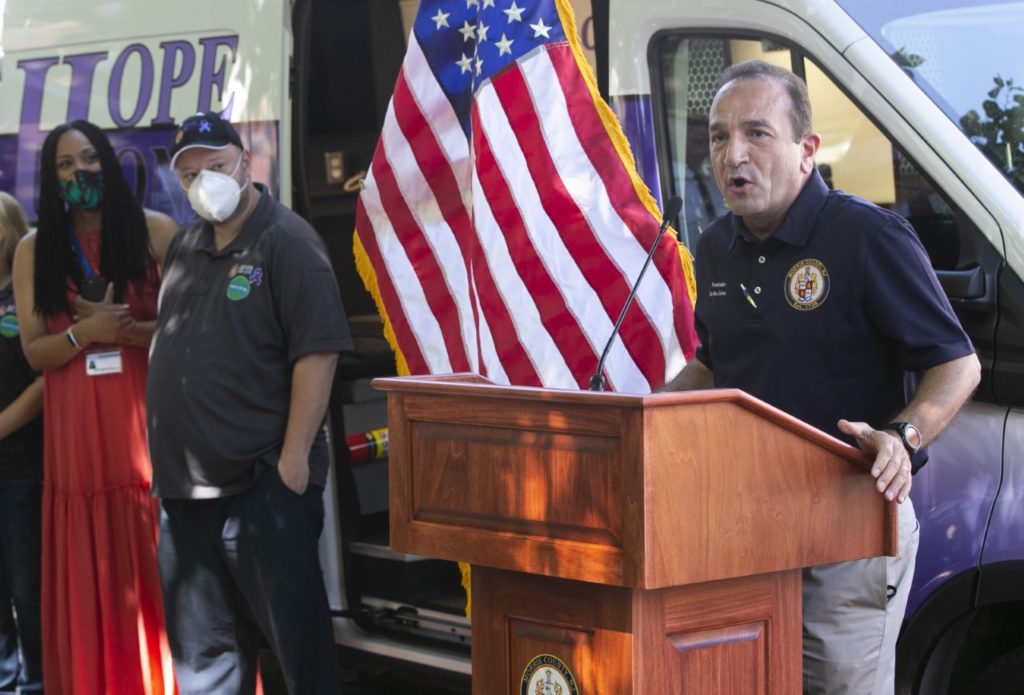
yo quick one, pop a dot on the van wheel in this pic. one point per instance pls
(1004, 676)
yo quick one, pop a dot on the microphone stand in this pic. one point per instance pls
(597, 381)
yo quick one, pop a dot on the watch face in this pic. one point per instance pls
(912, 436)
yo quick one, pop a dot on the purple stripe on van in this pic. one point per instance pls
(144, 155)
(634, 113)
(1005, 541)
(953, 497)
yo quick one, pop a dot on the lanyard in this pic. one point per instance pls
(86, 266)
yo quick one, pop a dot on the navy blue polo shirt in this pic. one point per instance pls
(822, 318)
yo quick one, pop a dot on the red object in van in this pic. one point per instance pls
(367, 446)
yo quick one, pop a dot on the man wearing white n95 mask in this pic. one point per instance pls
(240, 375)
(213, 195)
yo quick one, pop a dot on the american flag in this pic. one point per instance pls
(503, 223)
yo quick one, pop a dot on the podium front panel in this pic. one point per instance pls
(525, 624)
(535, 634)
(532, 490)
(639, 491)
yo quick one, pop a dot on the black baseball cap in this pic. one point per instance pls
(204, 129)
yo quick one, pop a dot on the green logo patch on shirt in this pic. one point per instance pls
(9, 326)
(239, 288)
(244, 277)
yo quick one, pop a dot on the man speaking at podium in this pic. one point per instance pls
(818, 302)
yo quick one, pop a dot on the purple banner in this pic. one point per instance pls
(8, 162)
(145, 157)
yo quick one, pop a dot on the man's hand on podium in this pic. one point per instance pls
(892, 464)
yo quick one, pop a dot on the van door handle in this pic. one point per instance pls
(971, 290)
(963, 284)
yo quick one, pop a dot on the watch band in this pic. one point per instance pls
(901, 428)
(72, 340)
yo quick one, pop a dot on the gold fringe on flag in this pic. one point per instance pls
(465, 570)
(369, 277)
(618, 138)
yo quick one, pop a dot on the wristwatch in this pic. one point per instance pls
(908, 434)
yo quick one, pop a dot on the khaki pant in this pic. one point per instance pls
(852, 615)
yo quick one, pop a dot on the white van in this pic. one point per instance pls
(920, 106)
(307, 84)
(921, 110)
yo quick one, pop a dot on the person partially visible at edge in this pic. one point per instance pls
(21, 480)
(818, 303)
(85, 285)
(249, 326)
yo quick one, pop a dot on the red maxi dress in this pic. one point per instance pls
(102, 611)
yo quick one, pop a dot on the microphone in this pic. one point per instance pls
(672, 208)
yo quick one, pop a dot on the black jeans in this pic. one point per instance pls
(20, 542)
(238, 570)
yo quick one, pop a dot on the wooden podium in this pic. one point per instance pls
(639, 544)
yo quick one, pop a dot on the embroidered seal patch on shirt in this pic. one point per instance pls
(547, 675)
(807, 285)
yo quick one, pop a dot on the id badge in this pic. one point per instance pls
(101, 363)
(94, 288)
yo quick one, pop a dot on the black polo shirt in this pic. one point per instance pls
(230, 326)
(838, 303)
(21, 453)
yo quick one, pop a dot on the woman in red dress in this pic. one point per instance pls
(85, 287)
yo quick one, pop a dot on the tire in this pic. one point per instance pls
(1004, 676)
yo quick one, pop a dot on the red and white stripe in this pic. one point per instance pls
(513, 255)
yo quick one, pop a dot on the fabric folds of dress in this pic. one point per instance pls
(103, 624)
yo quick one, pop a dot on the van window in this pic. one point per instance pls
(855, 156)
(965, 56)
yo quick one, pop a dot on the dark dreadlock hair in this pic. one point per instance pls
(124, 241)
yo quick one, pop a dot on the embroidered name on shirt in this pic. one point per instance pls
(718, 289)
